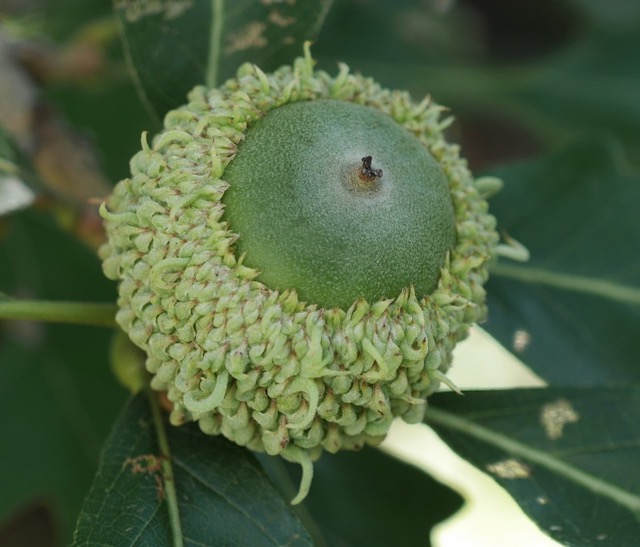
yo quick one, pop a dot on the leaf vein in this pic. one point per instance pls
(610, 290)
(222, 495)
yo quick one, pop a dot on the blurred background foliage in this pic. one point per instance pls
(551, 84)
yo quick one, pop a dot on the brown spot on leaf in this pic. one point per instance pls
(251, 36)
(134, 10)
(554, 416)
(145, 463)
(148, 464)
(509, 469)
(272, 2)
(280, 20)
(521, 340)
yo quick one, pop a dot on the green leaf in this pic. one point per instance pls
(367, 498)
(584, 80)
(395, 33)
(223, 495)
(590, 87)
(174, 46)
(52, 436)
(576, 303)
(569, 457)
(614, 15)
(57, 394)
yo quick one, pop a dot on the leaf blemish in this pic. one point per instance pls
(272, 2)
(554, 416)
(145, 463)
(251, 36)
(509, 469)
(280, 20)
(134, 10)
(521, 340)
(148, 464)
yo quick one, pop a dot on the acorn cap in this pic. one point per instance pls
(238, 349)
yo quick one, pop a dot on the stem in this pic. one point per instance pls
(576, 283)
(167, 470)
(367, 173)
(362, 178)
(77, 313)
(543, 459)
(215, 42)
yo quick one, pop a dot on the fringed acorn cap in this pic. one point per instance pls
(253, 362)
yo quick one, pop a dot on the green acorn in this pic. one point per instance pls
(298, 254)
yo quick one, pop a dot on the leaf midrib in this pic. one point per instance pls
(215, 43)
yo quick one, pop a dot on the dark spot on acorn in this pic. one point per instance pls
(367, 173)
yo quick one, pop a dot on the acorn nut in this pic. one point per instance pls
(298, 254)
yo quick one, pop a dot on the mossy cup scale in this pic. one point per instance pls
(298, 254)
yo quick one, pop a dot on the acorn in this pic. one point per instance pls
(298, 254)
